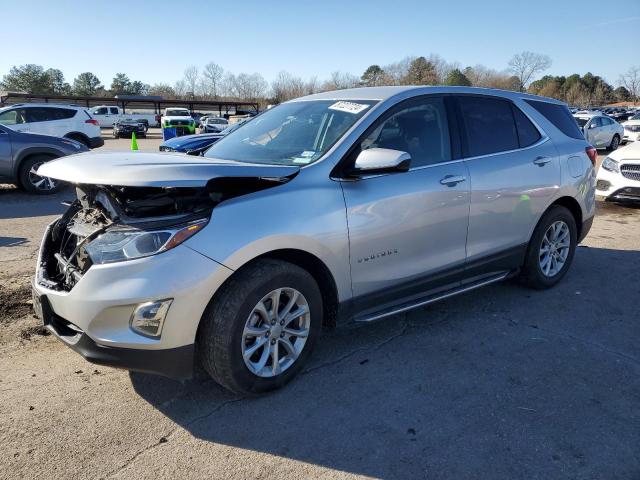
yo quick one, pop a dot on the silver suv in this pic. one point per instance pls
(346, 205)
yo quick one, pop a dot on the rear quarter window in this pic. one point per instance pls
(559, 116)
(528, 134)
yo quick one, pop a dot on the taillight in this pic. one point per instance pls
(92, 121)
(592, 153)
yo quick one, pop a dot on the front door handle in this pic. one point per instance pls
(541, 161)
(452, 180)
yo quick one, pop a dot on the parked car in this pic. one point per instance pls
(213, 125)
(356, 204)
(632, 129)
(109, 115)
(58, 120)
(180, 119)
(599, 130)
(21, 154)
(196, 144)
(124, 128)
(190, 144)
(619, 175)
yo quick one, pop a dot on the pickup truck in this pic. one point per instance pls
(180, 119)
(107, 115)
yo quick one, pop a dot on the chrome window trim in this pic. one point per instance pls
(542, 140)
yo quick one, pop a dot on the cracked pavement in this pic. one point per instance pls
(502, 382)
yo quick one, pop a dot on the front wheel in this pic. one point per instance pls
(260, 328)
(34, 183)
(551, 249)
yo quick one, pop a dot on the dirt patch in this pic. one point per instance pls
(15, 303)
(35, 330)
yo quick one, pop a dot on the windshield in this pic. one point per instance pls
(296, 133)
(581, 121)
(178, 113)
(635, 117)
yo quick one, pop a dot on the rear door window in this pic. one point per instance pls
(36, 114)
(60, 113)
(489, 126)
(559, 116)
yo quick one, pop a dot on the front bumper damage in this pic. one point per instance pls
(89, 307)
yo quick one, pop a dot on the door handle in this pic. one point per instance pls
(452, 180)
(541, 161)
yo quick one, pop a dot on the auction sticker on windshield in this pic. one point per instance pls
(349, 107)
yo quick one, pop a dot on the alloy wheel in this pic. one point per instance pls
(276, 332)
(554, 248)
(39, 182)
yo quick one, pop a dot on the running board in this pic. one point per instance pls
(426, 301)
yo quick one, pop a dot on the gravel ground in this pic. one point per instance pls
(503, 382)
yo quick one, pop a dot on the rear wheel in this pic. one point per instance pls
(34, 183)
(260, 329)
(551, 249)
(615, 142)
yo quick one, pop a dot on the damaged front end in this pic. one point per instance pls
(108, 224)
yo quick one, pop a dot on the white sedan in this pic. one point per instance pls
(600, 131)
(632, 129)
(619, 175)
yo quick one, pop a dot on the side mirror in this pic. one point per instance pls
(593, 125)
(381, 160)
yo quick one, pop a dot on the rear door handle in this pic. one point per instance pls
(452, 180)
(541, 161)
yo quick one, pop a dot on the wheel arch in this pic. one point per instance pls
(312, 264)
(574, 207)
(30, 152)
(78, 135)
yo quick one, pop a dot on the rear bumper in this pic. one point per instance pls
(96, 142)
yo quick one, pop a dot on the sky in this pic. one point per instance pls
(154, 41)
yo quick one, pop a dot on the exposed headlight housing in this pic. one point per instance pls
(121, 244)
(611, 165)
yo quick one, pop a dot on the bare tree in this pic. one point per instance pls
(340, 80)
(286, 86)
(396, 72)
(631, 81)
(312, 86)
(211, 79)
(191, 79)
(526, 64)
(180, 88)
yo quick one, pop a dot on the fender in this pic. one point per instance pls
(37, 150)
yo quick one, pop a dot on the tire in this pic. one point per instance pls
(533, 273)
(615, 142)
(221, 337)
(31, 182)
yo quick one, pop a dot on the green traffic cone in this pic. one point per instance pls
(134, 143)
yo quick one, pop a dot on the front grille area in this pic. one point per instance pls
(632, 128)
(630, 171)
(179, 122)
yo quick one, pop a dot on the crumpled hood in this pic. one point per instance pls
(138, 169)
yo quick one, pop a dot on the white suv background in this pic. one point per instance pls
(56, 120)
